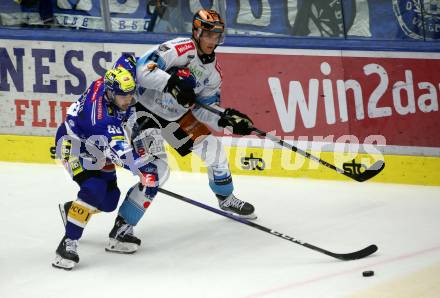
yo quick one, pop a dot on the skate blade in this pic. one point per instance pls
(63, 213)
(251, 216)
(116, 246)
(61, 263)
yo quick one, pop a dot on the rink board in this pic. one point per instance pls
(321, 95)
(404, 169)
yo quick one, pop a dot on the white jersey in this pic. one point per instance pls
(152, 78)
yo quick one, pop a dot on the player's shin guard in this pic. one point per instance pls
(78, 216)
(75, 216)
(121, 237)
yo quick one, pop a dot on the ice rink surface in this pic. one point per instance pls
(190, 252)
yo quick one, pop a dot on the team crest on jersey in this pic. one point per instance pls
(183, 48)
(416, 24)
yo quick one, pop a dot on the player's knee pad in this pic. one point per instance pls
(110, 202)
(211, 151)
(93, 191)
(220, 181)
(134, 205)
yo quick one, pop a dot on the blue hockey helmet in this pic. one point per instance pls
(128, 62)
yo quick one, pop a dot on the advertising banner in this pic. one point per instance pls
(338, 93)
(316, 95)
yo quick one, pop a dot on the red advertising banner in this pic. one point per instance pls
(303, 95)
(312, 95)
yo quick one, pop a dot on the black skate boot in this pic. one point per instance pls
(236, 206)
(64, 210)
(67, 255)
(122, 239)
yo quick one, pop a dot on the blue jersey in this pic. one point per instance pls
(98, 124)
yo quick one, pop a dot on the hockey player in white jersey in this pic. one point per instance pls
(172, 78)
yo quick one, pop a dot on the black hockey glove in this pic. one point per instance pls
(181, 89)
(240, 123)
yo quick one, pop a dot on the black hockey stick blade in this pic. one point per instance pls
(369, 173)
(365, 252)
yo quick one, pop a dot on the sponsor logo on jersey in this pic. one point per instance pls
(120, 138)
(149, 180)
(96, 89)
(100, 108)
(183, 48)
(180, 40)
(184, 72)
(198, 73)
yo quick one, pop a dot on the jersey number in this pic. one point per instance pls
(113, 129)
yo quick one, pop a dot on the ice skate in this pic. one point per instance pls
(66, 254)
(121, 238)
(236, 206)
(64, 210)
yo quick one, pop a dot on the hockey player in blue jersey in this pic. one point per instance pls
(90, 142)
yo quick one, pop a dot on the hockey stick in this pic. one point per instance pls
(365, 252)
(367, 174)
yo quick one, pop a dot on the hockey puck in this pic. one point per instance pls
(368, 273)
